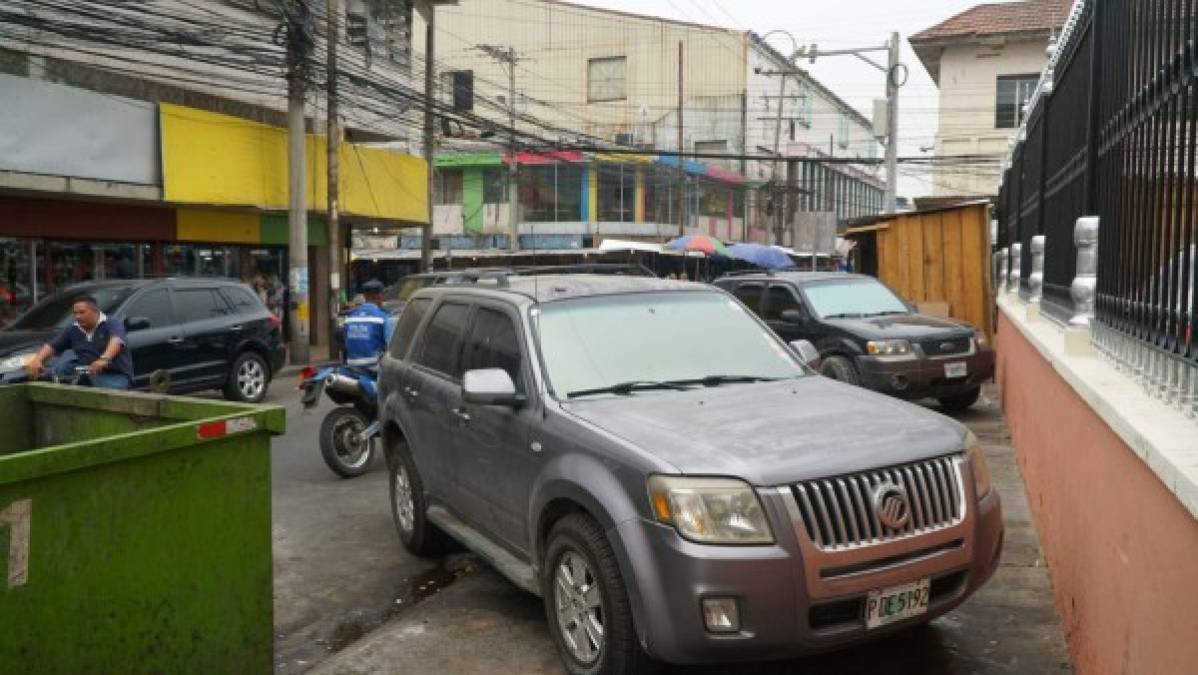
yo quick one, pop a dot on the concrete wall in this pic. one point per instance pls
(968, 79)
(1122, 549)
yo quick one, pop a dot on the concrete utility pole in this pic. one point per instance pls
(299, 45)
(334, 145)
(681, 149)
(778, 210)
(892, 104)
(507, 56)
(426, 235)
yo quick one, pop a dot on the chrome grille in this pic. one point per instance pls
(838, 512)
(946, 347)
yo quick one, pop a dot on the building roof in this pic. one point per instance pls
(1031, 19)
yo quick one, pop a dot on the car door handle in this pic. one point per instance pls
(461, 414)
(175, 340)
(236, 327)
(411, 393)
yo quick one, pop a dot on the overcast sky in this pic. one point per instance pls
(836, 24)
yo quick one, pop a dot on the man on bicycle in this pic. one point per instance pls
(99, 344)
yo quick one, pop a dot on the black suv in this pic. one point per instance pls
(869, 336)
(204, 333)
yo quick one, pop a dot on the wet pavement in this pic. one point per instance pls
(350, 600)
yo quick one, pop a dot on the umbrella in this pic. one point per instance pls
(700, 243)
(768, 257)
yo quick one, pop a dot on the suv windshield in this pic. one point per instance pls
(630, 342)
(851, 298)
(406, 287)
(55, 311)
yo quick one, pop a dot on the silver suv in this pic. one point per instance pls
(672, 478)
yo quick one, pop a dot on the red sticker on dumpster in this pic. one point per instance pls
(226, 427)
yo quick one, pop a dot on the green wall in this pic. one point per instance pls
(472, 199)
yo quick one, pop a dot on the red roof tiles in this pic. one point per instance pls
(998, 19)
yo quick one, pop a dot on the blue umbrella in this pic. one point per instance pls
(762, 256)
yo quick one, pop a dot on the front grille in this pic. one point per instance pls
(838, 512)
(946, 347)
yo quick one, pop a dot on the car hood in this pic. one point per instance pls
(777, 432)
(16, 341)
(905, 326)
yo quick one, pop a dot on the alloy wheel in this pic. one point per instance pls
(405, 508)
(251, 379)
(579, 606)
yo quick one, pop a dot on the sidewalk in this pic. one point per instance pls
(483, 624)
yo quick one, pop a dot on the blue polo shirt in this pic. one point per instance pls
(88, 348)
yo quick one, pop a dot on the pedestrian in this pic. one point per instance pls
(97, 343)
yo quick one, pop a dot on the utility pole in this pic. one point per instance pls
(507, 56)
(299, 46)
(681, 149)
(778, 210)
(426, 235)
(334, 146)
(892, 104)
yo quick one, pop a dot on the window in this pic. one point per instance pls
(853, 298)
(607, 79)
(200, 304)
(243, 301)
(442, 339)
(1012, 92)
(409, 321)
(494, 344)
(713, 147)
(447, 187)
(155, 306)
(617, 192)
(750, 294)
(551, 193)
(495, 185)
(457, 89)
(778, 300)
(713, 199)
(382, 30)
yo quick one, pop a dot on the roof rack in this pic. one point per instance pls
(501, 276)
(745, 273)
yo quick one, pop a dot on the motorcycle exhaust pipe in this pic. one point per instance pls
(343, 384)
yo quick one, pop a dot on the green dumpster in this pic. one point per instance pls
(134, 533)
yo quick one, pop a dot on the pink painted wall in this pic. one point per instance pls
(1122, 551)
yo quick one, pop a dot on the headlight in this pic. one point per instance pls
(887, 347)
(16, 362)
(977, 461)
(980, 338)
(710, 510)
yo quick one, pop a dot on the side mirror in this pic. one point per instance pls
(490, 386)
(136, 323)
(793, 316)
(807, 353)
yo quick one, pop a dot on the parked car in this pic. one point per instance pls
(868, 335)
(669, 476)
(203, 333)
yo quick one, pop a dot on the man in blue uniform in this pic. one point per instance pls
(367, 329)
(98, 344)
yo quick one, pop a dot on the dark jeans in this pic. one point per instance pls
(115, 381)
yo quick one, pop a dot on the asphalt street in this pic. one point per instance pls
(349, 599)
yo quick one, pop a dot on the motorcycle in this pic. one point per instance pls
(348, 432)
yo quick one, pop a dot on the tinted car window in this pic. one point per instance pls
(409, 321)
(443, 338)
(155, 306)
(778, 300)
(243, 301)
(750, 294)
(55, 311)
(199, 304)
(493, 344)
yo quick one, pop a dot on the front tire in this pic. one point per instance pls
(960, 402)
(340, 446)
(249, 378)
(409, 508)
(586, 600)
(840, 368)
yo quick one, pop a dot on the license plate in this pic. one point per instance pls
(888, 605)
(953, 370)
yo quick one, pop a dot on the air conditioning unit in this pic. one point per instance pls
(625, 139)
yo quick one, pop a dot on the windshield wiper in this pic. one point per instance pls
(626, 388)
(716, 380)
(889, 312)
(844, 315)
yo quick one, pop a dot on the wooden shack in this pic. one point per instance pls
(938, 258)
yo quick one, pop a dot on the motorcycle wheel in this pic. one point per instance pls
(345, 455)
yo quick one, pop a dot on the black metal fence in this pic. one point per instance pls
(1115, 135)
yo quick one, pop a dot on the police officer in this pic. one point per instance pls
(367, 329)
